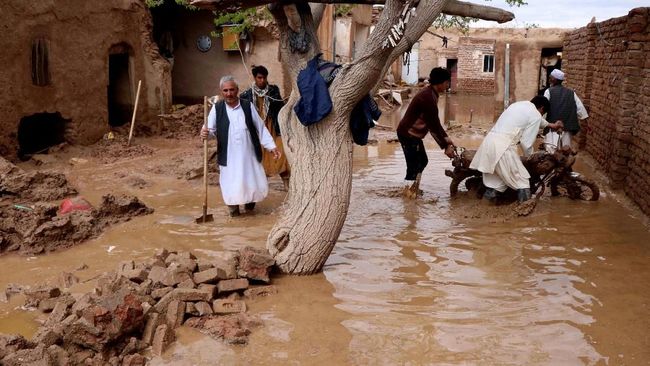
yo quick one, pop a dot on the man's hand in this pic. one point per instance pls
(204, 133)
(557, 125)
(450, 150)
(276, 154)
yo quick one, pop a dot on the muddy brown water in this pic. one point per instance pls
(408, 283)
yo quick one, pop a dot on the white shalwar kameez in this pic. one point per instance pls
(554, 140)
(243, 180)
(497, 157)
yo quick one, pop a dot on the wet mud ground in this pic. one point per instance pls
(433, 281)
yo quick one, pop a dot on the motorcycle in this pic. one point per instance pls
(546, 169)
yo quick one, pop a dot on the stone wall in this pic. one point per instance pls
(78, 36)
(471, 77)
(608, 64)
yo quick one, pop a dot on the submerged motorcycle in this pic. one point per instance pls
(546, 169)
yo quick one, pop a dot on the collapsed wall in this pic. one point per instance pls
(71, 69)
(608, 65)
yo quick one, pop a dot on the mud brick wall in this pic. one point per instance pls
(608, 64)
(471, 78)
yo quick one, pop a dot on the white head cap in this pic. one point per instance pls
(558, 74)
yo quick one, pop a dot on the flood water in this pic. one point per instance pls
(410, 282)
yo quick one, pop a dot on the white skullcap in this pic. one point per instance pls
(558, 74)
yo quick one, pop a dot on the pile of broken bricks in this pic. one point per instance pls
(133, 311)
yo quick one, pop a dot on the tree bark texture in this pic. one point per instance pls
(321, 166)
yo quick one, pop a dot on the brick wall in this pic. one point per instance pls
(471, 78)
(608, 64)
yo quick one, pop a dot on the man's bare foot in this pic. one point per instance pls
(413, 191)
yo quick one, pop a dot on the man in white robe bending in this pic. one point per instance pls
(241, 134)
(497, 157)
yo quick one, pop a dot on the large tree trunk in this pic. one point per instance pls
(321, 155)
(321, 167)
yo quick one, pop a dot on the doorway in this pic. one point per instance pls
(452, 66)
(38, 132)
(120, 95)
(551, 59)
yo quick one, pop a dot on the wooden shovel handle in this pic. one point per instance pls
(205, 158)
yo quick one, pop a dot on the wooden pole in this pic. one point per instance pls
(205, 160)
(135, 110)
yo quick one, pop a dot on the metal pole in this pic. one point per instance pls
(506, 71)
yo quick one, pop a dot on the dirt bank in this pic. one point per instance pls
(109, 151)
(31, 222)
(37, 228)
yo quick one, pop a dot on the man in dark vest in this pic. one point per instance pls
(241, 134)
(565, 107)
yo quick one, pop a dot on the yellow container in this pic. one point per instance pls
(229, 38)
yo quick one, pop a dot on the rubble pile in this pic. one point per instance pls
(111, 150)
(133, 311)
(183, 123)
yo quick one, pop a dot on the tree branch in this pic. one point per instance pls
(471, 10)
(452, 7)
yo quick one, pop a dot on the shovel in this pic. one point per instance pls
(205, 217)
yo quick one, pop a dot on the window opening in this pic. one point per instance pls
(488, 63)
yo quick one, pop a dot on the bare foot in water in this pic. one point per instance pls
(413, 191)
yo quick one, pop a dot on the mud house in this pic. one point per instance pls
(200, 60)
(71, 70)
(352, 28)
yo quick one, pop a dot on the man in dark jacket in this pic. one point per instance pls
(421, 117)
(268, 102)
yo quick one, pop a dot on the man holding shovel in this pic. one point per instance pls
(241, 134)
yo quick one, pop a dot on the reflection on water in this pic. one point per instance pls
(468, 109)
(408, 283)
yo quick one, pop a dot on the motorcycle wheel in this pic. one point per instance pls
(579, 188)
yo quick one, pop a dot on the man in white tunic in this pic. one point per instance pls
(497, 157)
(240, 134)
